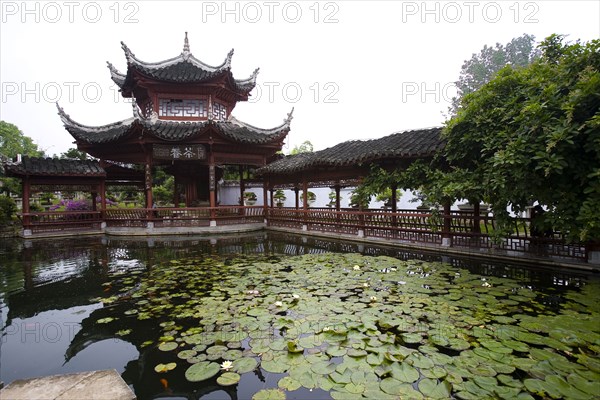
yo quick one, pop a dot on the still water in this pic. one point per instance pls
(299, 318)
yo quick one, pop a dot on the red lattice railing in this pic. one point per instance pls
(464, 228)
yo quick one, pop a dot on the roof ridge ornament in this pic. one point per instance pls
(128, 53)
(64, 117)
(227, 63)
(289, 117)
(186, 44)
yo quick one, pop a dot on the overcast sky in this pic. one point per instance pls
(351, 69)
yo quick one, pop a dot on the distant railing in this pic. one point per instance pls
(463, 228)
(460, 228)
(60, 221)
(183, 217)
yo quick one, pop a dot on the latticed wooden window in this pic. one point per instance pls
(190, 108)
(219, 112)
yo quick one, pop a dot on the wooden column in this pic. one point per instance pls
(149, 201)
(476, 217)
(94, 202)
(394, 206)
(212, 182)
(337, 197)
(103, 195)
(25, 202)
(175, 192)
(304, 194)
(296, 192)
(447, 227)
(394, 198)
(271, 196)
(242, 185)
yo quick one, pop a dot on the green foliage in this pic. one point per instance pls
(385, 196)
(279, 196)
(532, 134)
(482, 67)
(305, 147)
(13, 142)
(332, 199)
(75, 154)
(8, 208)
(311, 196)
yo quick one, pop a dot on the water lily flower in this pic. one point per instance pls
(326, 329)
(373, 298)
(393, 269)
(279, 304)
(485, 284)
(366, 284)
(356, 268)
(401, 283)
(296, 296)
(226, 365)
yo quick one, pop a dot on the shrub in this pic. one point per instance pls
(8, 207)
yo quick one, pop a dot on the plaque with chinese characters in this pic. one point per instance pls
(183, 152)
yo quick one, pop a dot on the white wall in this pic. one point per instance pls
(229, 195)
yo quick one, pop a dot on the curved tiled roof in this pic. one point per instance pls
(184, 68)
(407, 144)
(38, 166)
(173, 131)
(96, 134)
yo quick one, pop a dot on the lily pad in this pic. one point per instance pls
(228, 379)
(162, 368)
(289, 384)
(244, 365)
(401, 390)
(404, 373)
(185, 354)
(269, 394)
(202, 371)
(434, 390)
(168, 346)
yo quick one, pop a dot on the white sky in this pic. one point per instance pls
(351, 69)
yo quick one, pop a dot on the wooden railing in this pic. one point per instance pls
(60, 221)
(414, 226)
(183, 217)
(461, 228)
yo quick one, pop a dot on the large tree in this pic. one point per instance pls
(12, 143)
(532, 134)
(482, 67)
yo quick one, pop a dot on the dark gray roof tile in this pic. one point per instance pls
(407, 144)
(37, 166)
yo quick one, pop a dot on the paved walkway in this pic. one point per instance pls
(95, 385)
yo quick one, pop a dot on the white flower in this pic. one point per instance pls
(485, 284)
(326, 329)
(356, 268)
(393, 269)
(296, 296)
(373, 298)
(365, 284)
(401, 283)
(226, 365)
(279, 304)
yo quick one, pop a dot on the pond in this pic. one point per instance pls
(276, 316)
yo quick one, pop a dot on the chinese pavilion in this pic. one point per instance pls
(182, 121)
